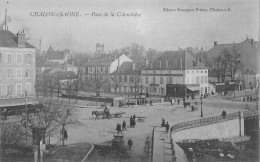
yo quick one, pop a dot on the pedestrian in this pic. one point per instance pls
(223, 114)
(65, 134)
(171, 101)
(130, 144)
(124, 125)
(118, 128)
(178, 101)
(134, 117)
(132, 103)
(151, 103)
(163, 122)
(167, 126)
(145, 102)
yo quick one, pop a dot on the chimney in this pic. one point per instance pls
(146, 62)
(166, 63)
(133, 67)
(21, 39)
(181, 61)
(215, 43)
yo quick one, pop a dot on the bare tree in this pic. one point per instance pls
(116, 82)
(88, 82)
(10, 135)
(66, 116)
(41, 122)
(232, 59)
(135, 50)
(78, 81)
(135, 83)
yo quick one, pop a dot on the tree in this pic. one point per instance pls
(10, 135)
(78, 81)
(66, 116)
(116, 82)
(233, 61)
(99, 79)
(135, 50)
(135, 83)
(88, 82)
(42, 122)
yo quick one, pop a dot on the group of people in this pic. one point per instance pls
(167, 126)
(119, 129)
(132, 121)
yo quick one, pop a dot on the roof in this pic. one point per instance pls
(51, 54)
(248, 50)
(98, 62)
(127, 68)
(51, 64)
(177, 60)
(9, 39)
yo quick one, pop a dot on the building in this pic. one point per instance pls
(57, 56)
(127, 78)
(99, 69)
(175, 73)
(248, 50)
(17, 70)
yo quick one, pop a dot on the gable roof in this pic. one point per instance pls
(127, 69)
(9, 39)
(177, 60)
(51, 54)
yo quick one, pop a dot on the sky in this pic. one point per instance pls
(155, 28)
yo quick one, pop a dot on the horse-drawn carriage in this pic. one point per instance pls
(107, 115)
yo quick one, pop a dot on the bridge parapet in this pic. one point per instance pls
(204, 121)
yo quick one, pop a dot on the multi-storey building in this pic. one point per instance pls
(127, 78)
(17, 70)
(100, 66)
(175, 73)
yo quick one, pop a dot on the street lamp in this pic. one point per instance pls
(201, 112)
(128, 98)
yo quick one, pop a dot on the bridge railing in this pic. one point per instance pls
(204, 121)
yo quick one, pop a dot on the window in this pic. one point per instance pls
(9, 58)
(171, 80)
(161, 80)
(126, 79)
(146, 79)
(19, 88)
(9, 73)
(1, 58)
(187, 72)
(27, 73)
(1, 74)
(19, 73)
(28, 88)
(9, 89)
(206, 79)
(28, 59)
(201, 79)
(154, 80)
(188, 81)
(19, 59)
(205, 71)
(197, 80)
(201, 71)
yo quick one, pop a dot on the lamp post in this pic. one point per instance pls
(128, 99)
(201, 112)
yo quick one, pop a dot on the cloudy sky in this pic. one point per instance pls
(153, 29)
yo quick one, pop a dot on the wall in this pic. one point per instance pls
(114, 64)
(14, 66)
(225, 129)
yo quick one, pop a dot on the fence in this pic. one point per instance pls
(204, 121)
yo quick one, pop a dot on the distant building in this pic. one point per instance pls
(176, 74)
(17, 70)
(57, 56)
(249, 50)
(101, 67)
(129, 77)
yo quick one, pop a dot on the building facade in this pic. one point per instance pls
(17, 70)
(175, 73)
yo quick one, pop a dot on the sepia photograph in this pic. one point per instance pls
(129, 81)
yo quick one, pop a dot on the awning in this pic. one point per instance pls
(118, 98)
(16, 102)
(194, 88)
